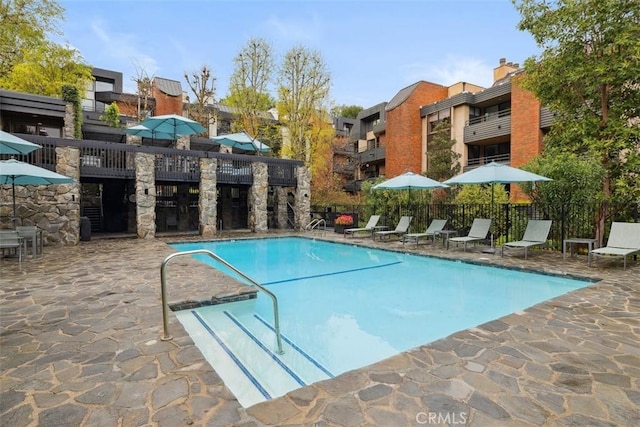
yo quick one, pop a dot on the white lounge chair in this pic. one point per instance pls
(536, 234)
(479, 231)
(401, 229)
(624, 240)
(436, 226)
(370, 227)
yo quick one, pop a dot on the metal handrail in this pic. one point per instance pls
(163, 290)
(316, 223)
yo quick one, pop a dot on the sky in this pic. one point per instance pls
(372, 49)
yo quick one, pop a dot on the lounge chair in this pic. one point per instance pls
(624, 240)
(535, 234)
(370, 227)
(479, 231)
(436, 226)
(401, 229)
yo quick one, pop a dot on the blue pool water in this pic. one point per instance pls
(347, 306)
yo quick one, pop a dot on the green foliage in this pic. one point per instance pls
(45, 68)
(442, 161)
(588, 76)
(304, 84)
(111, 115)
(576, 179)
(72, 95)
(249, 85)
(387, 200)
(481, 194)
(348, 111)
(25, 25)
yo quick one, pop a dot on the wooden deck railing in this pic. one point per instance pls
(100, 159)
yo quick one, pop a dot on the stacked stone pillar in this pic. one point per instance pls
(208, 197)
(145, 195)
(303, 198)
(258, 197)
(282, 212)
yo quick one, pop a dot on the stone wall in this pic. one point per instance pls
(55, 209)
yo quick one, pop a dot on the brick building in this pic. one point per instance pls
(502, 123)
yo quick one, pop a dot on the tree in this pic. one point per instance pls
(348, 111)
(202, 84)
(248, 86)
(25, 25)
(442, 160)
(304, 85)
(111, 115)
(45, 68)
(587, 75)
(144, 90)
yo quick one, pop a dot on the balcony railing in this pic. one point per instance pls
(99, 159)
(474, 163)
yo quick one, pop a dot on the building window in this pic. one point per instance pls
(104, 86)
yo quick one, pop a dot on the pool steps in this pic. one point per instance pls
(241, 348)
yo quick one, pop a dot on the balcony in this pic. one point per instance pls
(372, 155)
(474, 163)
(488, 127)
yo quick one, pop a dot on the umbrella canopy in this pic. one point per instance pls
(494, 173)
(409, 180)
(145, 132)
(242, 141)
(11, 144)
(173, 125)
(15, 173)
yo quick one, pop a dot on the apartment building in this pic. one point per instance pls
(502, 123)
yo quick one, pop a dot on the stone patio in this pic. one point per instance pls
(80, 345)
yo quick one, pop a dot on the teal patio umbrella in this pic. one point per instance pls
(173, 125)
(15, 173)
(409, 181)
(242, 141)
(145, 132)
(11, 144)
(495, 173)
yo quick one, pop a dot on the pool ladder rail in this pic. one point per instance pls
(315, 225)
(165, 307)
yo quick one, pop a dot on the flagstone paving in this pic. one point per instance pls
(81, 344)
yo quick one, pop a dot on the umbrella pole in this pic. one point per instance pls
(491, 249)
(13, 191)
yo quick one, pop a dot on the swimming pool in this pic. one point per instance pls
(343, 307)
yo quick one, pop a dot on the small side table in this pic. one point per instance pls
(591, 243)
(445, 236)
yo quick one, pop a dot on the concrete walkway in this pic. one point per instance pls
(80, 345)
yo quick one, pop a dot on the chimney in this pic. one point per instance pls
(503, 69)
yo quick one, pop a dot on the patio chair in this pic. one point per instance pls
(11, 243)
(624, 240)
(536, 234)
(436, 226)
(478, 232)
(370, 227)
(401, 229)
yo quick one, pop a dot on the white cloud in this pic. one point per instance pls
(122, 52)
(295, 31)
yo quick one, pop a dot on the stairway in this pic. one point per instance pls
(241, 346)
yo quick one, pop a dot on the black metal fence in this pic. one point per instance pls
(508, 220)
